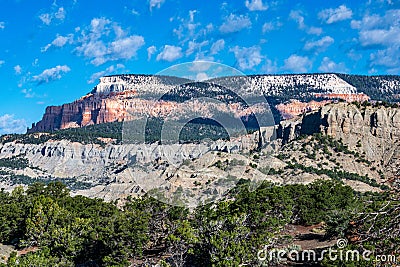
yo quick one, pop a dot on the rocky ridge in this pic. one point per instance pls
(368, 137)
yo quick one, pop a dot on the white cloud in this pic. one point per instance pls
(2, 62)
(271, 26)
(332, 15)
(383, 33)
(45, 18)
(155, 3)
(59, 42)
(170, 53)
(247, 57)
(388, 57)
(319, 45)
(270, 67)
(297, 64)
(234, 23)
(125, 48)
(267, 27)
(2, 25)
(379, 30)
(17, 69)
(298, 17)
(385, 37)
(51, 74)
(256, 5)
(200, 66)
(202, 56)
(97, 47)
(189, 29)
(9, 125)
(59, 15)
(329, 66)
(110, 70)
(28, 93)
(35, 62)
(314, 30)
(218, 46)
(151, 50)
(135, 12)
(201, 76)
(194, 46)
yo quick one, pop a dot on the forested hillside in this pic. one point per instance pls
(60, 230)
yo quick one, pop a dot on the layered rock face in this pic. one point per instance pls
(121, 97)
(374, 129)
(295, 108)
(342, 120)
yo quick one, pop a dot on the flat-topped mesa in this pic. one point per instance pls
(276, 84)
(109, 100)
(142, 84)
(265, 84)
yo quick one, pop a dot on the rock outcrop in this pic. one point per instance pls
(343, 120)
(374, 131)
(295, 108)
(112, 170)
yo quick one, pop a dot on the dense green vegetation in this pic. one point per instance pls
(67, 231)
(371, 85)
(325, 146)
(16, 163)
(85, 135)
(192, 131)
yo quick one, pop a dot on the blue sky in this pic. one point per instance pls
(53, 52)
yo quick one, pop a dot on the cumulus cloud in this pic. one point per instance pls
(388, 57)
(194, 46)
(51, 74)
(57, 15)
(2, 62)
(218, 46)
(155, 3)
(9, 125)
(332, 15)
(2, 25)
(270, 26)
(315, 30)
(319, 45)
(28, 93)
(59, 42)
(256, 5)
(151, 50)
(298, 17)
(170, 53)
(381, 32)
(270, 67)
(329, 66)
(298, 64)
(125, 48)
(385, 37)
(267, 27)
(235, 23)
(17, 69)
(97, 47)
(108, 71)
(247, 57)
(190, 29)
